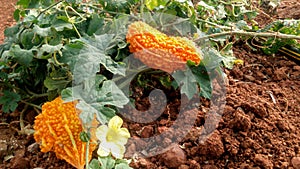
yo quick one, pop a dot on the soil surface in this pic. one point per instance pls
(259, 128)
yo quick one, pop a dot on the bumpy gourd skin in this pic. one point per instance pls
(159, 51)
(58, 129)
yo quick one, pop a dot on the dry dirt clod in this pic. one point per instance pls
(183, 167)
(20, 163)
(174, 157)
(241, 120)
(296, 162)
(147, 132)
(213, 146)
(194, 164)
(263, 161)
(209, 167)
(3, 148)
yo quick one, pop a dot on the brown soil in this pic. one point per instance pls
(259, 128)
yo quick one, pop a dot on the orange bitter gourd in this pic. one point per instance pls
(158, 50)
(58, 129)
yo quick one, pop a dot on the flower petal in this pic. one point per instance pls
(104, 149)
(124, 132)
(101, 132)
(123, 135)
(115, 123)
(118, 151)
(102, 153)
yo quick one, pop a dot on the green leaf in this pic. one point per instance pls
(44, 32)
(67, 95)
(9, 101)
(94, 99)
(85, 137)
(92, 55)
(123, 166)
(46, 51)
(213, 58)
(151, 4)
(121, 6)
(187, 82)
(24, 57)
(17, 14)
(107, 162)
(29, 39)
(69, 53)
(12, 31)
(59, 84)
(95, 164)
(96, 24)
(203, 79)
(23, 3)
(60, 25)
(110, 94)
(3, 76)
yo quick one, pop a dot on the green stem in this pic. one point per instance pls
(73, 22)
(49, 7)
(35, 95)
(87, 155)
(22, 126)
(251, 34)
(142, 8)
(214, 24)
(56, 61)
(31, 104)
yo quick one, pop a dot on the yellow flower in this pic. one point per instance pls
(112, 138)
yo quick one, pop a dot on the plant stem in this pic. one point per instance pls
(31, 104)
(22, 126)
(251, 34)
(87, 155)
(142, 7)
(49, 7)
(35, 95)
(215, 25)
(70, 20)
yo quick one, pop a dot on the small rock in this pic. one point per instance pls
(285, 164)
(147, 132)
(280, 74)
(282, 125)
(174, 157)
(209, 167)
(296, 68)
(244, 166)
(296, 162)
(143, 162)
(183, 167)
(213, 146)
(194, 164)
(263, 161)
(249, 78)
(33, 148)
(130, 150)
(20, 163)
(241, 120)
(3, 149)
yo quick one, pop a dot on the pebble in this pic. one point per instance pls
(296, 162)
(263, 161)
(174, 157)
